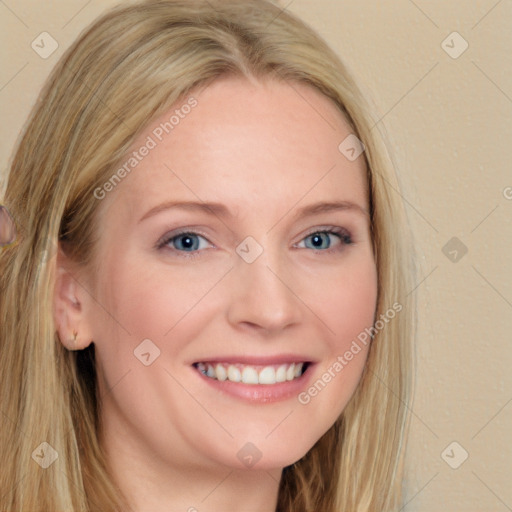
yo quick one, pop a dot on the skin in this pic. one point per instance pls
(264, 150)
(7, 227)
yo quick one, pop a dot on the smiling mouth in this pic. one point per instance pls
(252, 374)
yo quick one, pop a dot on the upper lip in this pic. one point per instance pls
(257, 360)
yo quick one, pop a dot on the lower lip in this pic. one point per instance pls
(260, 393)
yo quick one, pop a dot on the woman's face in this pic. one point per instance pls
(212, 270)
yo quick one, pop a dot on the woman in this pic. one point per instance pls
(208, 305)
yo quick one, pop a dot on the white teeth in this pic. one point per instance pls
(234, 374)
(267, 375)
(290, 373)
(221, 372)
(247, 374)
(281, 373)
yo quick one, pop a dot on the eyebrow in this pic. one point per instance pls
(220, 210)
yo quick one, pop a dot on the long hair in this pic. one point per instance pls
(127, 68)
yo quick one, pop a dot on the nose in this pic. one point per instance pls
(262, 296)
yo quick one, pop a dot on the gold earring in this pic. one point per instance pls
(75, 334)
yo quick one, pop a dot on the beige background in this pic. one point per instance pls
(449, 123)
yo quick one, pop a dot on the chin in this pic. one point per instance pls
(262, 454)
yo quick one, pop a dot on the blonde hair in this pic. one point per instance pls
(130, 66)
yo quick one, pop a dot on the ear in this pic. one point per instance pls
(70, 305)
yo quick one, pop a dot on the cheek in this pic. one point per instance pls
(352, 308)
(344, 299)
(150, 302)
(346, 304)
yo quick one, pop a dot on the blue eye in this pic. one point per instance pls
(320, 240)
(184, 242)
(323, 239)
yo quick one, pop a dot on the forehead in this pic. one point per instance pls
(246, 144)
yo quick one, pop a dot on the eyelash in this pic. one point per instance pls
(344, 236)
